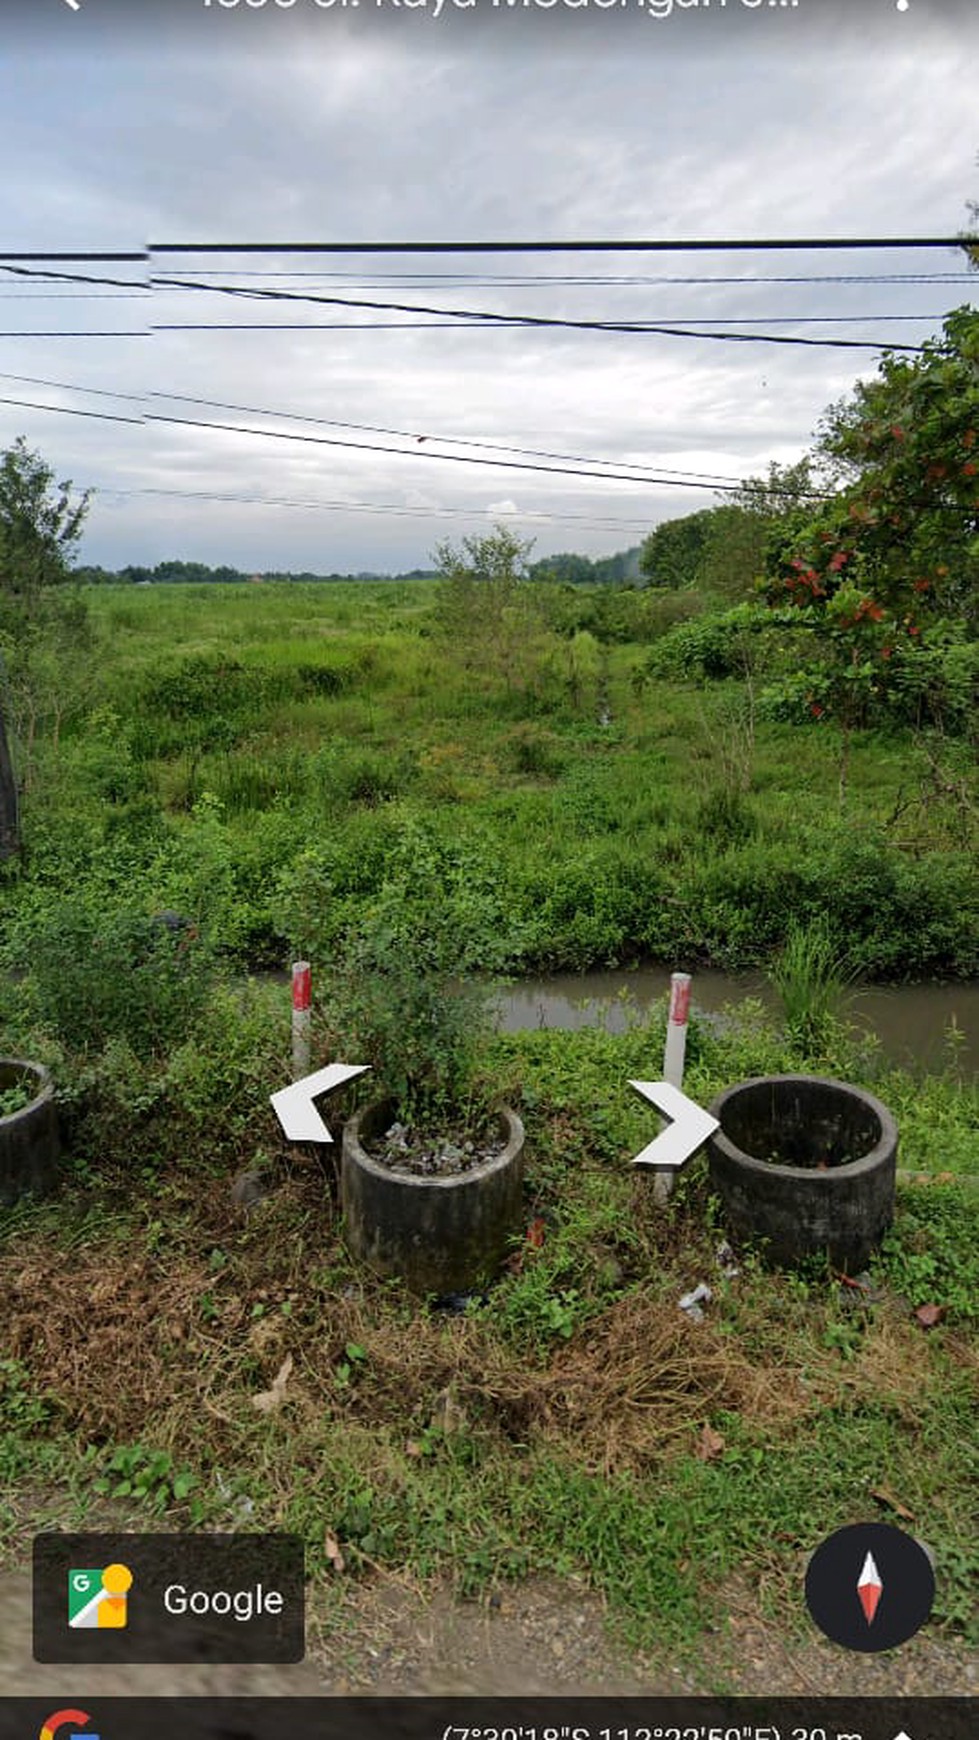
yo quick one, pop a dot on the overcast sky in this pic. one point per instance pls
(182, 123)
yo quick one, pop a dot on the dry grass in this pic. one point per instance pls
(172, 1347)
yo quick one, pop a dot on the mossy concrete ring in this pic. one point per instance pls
(807, 1165)
(437, 1234)
(29, 1138)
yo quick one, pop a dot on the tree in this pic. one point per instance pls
(742, 528)
(566, 569)
(891, 561)
(487, 607)
(40, 526)
(672, 553)
(903, 529)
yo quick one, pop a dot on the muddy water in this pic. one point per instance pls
(910, 1021)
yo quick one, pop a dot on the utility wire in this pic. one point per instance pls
(417, 453)
(102, 332)
(69, 411)
(530, 514)
(490, 280)
(455, 324)
(449, 316)
(375, 447)
(745, 246)
(707, 478)
(525, 320)
(142, 256)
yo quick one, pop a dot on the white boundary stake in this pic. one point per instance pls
(673, 1058)
(302, 996)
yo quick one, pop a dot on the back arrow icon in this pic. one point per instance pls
(74, 4)
(294, 1108)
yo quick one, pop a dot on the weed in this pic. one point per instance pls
(149, 1476)
(810, 975)
(14, 1099)
(353, 1361)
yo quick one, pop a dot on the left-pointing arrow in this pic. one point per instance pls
(294, 1108)
(688, 1131)
(74, 4)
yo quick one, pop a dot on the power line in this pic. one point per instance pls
(103, 332)
(69, 411)
(448, 458)
(532, 321)
(499, 324)
(375, 447)
(747, 246)
(443, 316)
(416, 453)
(707, 478)
(142, 256)
(78, 278)
(530, 514)
(530, 280)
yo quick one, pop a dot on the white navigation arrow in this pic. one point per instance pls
(294, 1108)
(689, 1129)
(74, 4)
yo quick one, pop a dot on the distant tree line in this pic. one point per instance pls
(570, 569)
(200, 574)
(566, 567)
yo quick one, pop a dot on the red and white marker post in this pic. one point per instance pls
(302, 998)
(673, 1058)
(676, 1029)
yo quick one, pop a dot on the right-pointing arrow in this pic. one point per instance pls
(689, 1130)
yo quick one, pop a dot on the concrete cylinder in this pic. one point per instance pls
(438, 1235)
(29, 1138)
(805, 1165)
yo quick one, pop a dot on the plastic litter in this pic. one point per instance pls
(692, 1303)
(726, 1262)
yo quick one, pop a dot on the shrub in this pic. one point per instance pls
(98, 973)
(725, 817)
(402, 993)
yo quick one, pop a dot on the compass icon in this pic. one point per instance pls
(870, 1587)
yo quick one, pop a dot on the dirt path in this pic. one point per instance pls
(541, 1637)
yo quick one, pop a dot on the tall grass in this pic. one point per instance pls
(811, 975)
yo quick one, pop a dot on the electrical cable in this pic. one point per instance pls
(532, 321)
(449, 316)
(708, 478)
(375, 447)
(744, 246)
(599, 521)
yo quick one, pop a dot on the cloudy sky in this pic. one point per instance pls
(169, 122)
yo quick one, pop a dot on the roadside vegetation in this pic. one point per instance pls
(496, 772)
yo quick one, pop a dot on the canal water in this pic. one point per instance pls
(911, 1021)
